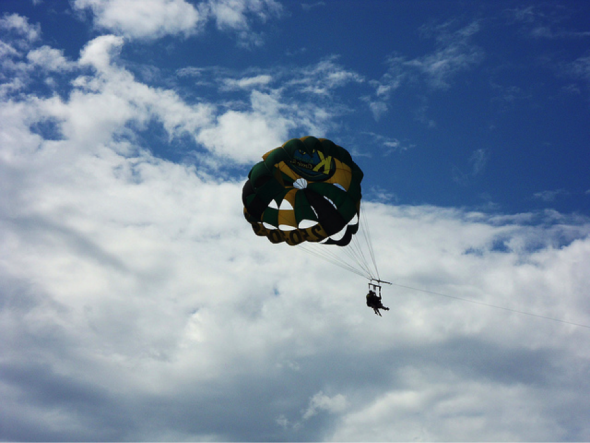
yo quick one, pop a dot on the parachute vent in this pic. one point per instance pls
(300, 183)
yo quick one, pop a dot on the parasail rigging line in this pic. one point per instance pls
(357, 257)
(334, 259)
(489, 305)
(366, 232)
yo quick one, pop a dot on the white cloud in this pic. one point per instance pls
(540, 22)
(99, 52)
(279, 101)
(477, 163)
(321, 401)
(153, 19)
(454, 53)
(232, 14)
(18, 37)
(247, 82)
(145, 19)
(244, 136)
(105, 103)
(413, 413)
(20, 25)
(49, 59)
(7, 50)
(382, 195)
(309, 6)
(266, 120)
(550, 196)
(378, 108)
(388, 144)
(581, 68)
(324, 77)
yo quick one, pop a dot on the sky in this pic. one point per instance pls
(136, 303)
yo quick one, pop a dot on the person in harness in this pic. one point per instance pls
(374, 301)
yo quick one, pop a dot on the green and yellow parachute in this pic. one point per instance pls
(308, 190)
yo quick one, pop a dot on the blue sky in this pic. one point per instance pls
(474, 104)
(136, 302)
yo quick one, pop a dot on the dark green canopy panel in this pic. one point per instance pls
(309, 189)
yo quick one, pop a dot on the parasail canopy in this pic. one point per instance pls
(308, 190)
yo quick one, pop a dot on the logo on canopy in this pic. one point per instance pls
(314, 166)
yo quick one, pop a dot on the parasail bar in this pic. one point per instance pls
(380, 281)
